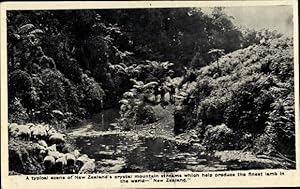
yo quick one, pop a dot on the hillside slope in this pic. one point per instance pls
(245, 100)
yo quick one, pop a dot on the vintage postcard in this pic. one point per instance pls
(149, 94)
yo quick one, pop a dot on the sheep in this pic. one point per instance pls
(57, 138)
(39, 132)
(60, 164)
(88, 167)
(12, 124)
(70, 162)
(49, 162)
(52, 148)
(30, 124)
(50, 131)
(76, 153)
(12, 128)
(38, 149)
(22, 131)
(42, 154)
(43, 143)
(82, 158)
(55, 154)
(81, 161)
(70, 159)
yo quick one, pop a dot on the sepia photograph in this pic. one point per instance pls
(150, 90)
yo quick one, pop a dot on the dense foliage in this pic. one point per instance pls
(233, 85)
(251, 92)
(64, 60)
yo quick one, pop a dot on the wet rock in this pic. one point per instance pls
(192, 163)
(249, 160)
(116, 168)
(106, 154)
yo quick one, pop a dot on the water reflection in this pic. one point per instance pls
(100, 122)
(115, 153)
(133, 153)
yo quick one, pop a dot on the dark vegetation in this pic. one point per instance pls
(249, 94)
(234, 86)
(64, 60)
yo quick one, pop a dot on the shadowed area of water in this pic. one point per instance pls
(128, 152)
(116, 151)
(121, 153)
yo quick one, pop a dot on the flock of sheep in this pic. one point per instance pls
(57, 155)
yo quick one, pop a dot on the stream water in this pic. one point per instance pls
(116, 151)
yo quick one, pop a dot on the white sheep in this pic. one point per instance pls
(43, 143)
(55, 154)
(70, 159)
(22, 131)
(49, 162)
(50, 130)
(12, 128)
(88, 167)
(81, 161)
(60, 164)
(57, 138)
(52, 148)
(43, 153)
(76, 153)
(38, 132)
(38, 150)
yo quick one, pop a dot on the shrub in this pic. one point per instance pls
(218, 137)
(145, 114)
(18, 114)
(252, 95)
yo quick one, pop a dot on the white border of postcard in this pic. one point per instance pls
(205, 179)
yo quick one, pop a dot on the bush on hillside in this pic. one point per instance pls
(253, 93)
